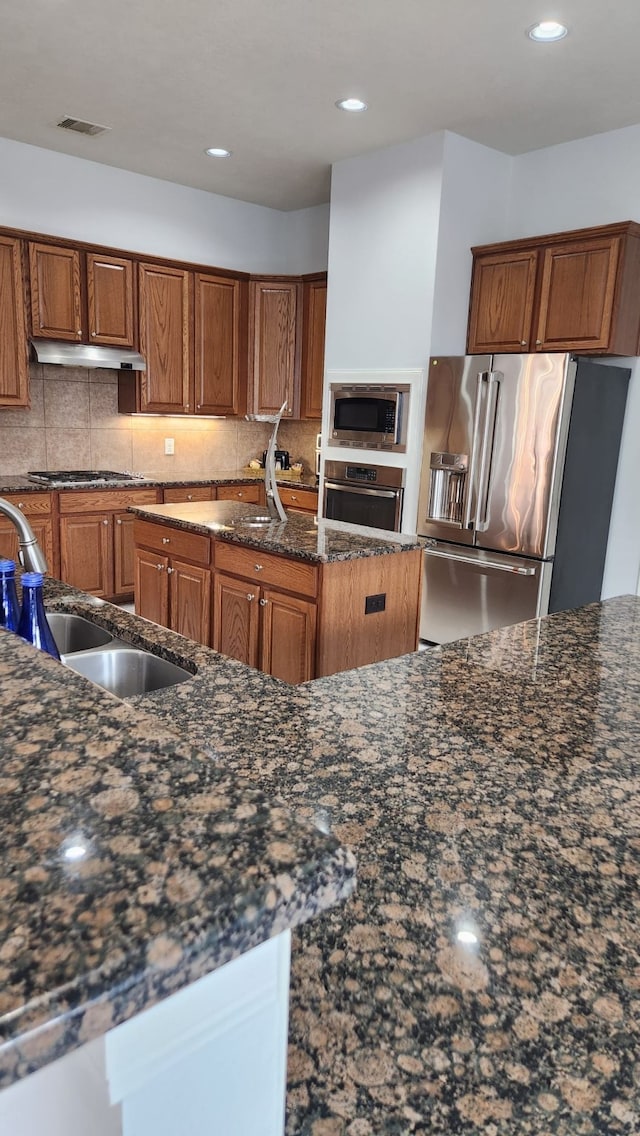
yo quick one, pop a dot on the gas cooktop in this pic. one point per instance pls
(80, 476)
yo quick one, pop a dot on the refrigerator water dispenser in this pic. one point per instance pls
(446, 487)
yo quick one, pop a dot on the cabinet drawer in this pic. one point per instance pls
(298, 499)
(265, 568)
(173, 542)
(105, 500)
(250, 493)
(31, 504)
(189, 493)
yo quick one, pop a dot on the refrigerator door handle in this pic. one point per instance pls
(492, 565)
(493, 384)
(468, 519)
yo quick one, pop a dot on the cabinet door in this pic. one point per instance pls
(165, 339)
(274, 347)
(235, 618)
(218, 314)
(151, 585)
(43, 532)
(314, 319)
(190, 601)
(110, 299)
(123, 559)
(502, 294)
(577, 294)
(86, 553)
(56, 308)
(288, 636)
(14, 367)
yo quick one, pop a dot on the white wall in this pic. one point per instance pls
(475, 187)
(47, 192)
(592, 182)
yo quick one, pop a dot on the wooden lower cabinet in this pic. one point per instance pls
(288, 640)
(151, 585)
(86, 553)
(190, 601)
(250, 494)
(173, 580)
(236, 618)
(38, 508)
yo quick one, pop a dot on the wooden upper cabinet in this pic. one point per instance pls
(14, 367)
(576, 291)
(110, 300)
(56, 301)
(274, 343)
(577, 294)
(502, 292)
(314, 314)
(165, 341)
(220, 363)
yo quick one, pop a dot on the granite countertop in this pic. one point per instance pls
(186, 866)
(20, 483)
(484, 978)
(300, 537)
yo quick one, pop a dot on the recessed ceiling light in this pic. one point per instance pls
(547, 31)
(218, 152)
(351, 104)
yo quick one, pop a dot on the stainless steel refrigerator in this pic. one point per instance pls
(518, 473)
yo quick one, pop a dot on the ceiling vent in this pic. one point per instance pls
(81, 127)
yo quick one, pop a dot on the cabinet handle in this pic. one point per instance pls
(263, 603)
(250, 596)
(258, 567)
(166, 540)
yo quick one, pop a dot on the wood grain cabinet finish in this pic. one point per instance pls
(96, 540)
(288, 636)
(39, 509)
(275, 315)
(14, 348)
(182, 493)
(575, 291)
(249, 494)
(314, 313)
(220, 356)
(56, 298)
(110, 300)
(299, 500)
(236, 618)
(165, 340)
(172, 579)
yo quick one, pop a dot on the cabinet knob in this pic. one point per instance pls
(93, 334)
(170, 571)
(538, 343)
(106, 521)
(523, 343)
(166, 540)
(21, 506)
(250, 596)
(79, 331)
(199, 406)
(118, 520)
(258, 567)
(159, 567)
(187, 407)
(263, 603)
(189, 496)
(240, 493)
(293, 497)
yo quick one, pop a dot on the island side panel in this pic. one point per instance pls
(348, 636)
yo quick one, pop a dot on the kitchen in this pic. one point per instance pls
(433, 300)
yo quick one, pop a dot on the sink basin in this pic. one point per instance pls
(126, 671)
(73, 633)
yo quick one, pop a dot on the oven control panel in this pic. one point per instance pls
(361, 473)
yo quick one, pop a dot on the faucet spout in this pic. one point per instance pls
(31, 555)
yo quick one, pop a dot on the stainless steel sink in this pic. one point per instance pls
(73, 633)
(126, 671)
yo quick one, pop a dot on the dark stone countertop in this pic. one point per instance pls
(20, 483)
(187, 866)
(484, 978)
(300, 537)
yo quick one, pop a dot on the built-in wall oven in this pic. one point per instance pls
(364, 494)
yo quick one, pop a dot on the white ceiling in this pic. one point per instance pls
(260, 77)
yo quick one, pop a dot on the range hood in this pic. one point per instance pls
(87, 355)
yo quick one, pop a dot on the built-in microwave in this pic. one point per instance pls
(369, 417)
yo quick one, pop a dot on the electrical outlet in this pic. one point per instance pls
(375, 603)
(169, 447)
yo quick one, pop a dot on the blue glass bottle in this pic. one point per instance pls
(9, 609)
(33, 624)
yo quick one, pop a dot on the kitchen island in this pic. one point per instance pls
(484, 977)
(301, 598)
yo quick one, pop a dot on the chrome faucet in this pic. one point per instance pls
(31, 555)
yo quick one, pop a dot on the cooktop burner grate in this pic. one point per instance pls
(80, 476)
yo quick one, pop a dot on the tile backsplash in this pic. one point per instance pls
(73, 423)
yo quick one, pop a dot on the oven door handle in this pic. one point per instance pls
(392, 494)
